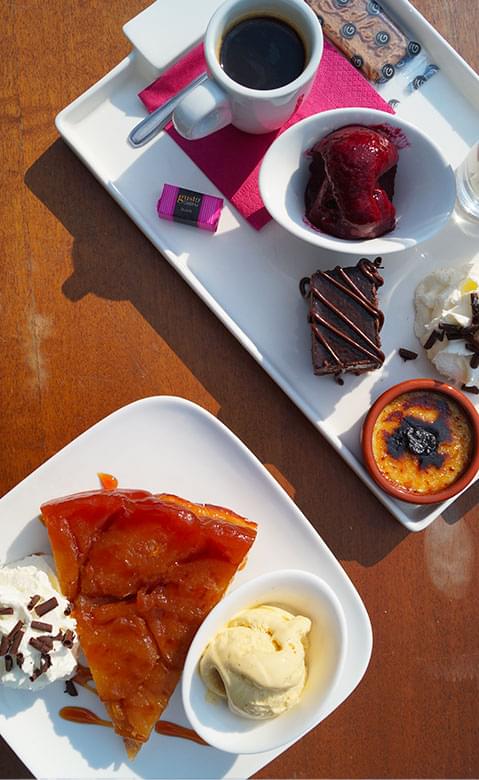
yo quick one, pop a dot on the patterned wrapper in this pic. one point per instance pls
(365, 35)
(178, 204)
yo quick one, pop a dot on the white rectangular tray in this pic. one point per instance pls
(174, 446)
(250, 279)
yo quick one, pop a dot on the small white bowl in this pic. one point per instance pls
(301, 593)
(425, 188)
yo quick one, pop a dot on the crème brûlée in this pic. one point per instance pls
(422, 441)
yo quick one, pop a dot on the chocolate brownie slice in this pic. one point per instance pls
(345, 318)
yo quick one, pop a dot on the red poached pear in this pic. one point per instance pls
(351, 185)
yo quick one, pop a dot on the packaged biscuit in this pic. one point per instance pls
(366, 36)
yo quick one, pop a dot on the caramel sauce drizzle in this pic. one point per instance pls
(82, 715)
(168, 729)
(164, 727)
(350, 289)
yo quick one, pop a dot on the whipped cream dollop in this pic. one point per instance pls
(38, 639)
(444, 297)
(258, 661)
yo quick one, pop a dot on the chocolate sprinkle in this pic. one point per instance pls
(11, 642)
(435, 336)
(475, 308)
(20, 659)
(15, 628)
(33, 602)
(453, 332)
(8, 663)
(15, 644)
(70, 688)
(42, 643)
(6, 610)
(470, 389)
(68, 610)
(39, 626)
(45, 663)
(407, 354)
(47, 606)
(68, 638)
(474, 362)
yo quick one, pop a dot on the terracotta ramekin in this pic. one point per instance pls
(367, 431)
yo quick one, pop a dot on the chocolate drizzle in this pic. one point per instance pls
(345, 318)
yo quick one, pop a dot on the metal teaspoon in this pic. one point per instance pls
(145, 130)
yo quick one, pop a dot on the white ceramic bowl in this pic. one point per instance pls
(301, 593)
(425, 188)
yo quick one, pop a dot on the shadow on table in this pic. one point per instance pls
(113, 260)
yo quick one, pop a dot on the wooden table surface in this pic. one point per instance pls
(92, 317)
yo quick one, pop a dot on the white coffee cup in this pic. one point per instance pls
(220, 101)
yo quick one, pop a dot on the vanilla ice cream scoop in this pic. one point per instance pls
(444, 298)
(258, 661)
(38, 640)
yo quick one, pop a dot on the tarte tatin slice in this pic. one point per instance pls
(142, 572)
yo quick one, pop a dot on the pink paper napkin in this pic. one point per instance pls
(230, 158)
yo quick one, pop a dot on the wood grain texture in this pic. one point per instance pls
(93, 318)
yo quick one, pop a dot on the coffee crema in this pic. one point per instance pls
(262, 53)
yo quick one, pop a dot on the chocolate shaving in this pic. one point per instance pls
(20, 659)
(39, 626)
(449, 327)
(58, 637)
(4, 645)
(45, 663)
(6, 610)
(47, 606)
(68, 610)
(435, 336)
(68, 638)
(42, 643)
(33, 602)
(407, 354)
(469, 331)
(16, 627)
(475, 308)
(338, 379)
(453, 332)
(15, 643)
(70, 688)
(474, 362)
(8, 663)
(470, 389)
(472, 346)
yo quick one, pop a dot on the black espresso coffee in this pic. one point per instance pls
(262, 53)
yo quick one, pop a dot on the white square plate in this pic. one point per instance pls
(171, 445)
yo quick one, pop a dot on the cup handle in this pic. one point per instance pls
(202, 111)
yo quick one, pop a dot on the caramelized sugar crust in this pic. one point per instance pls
(142, 572)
